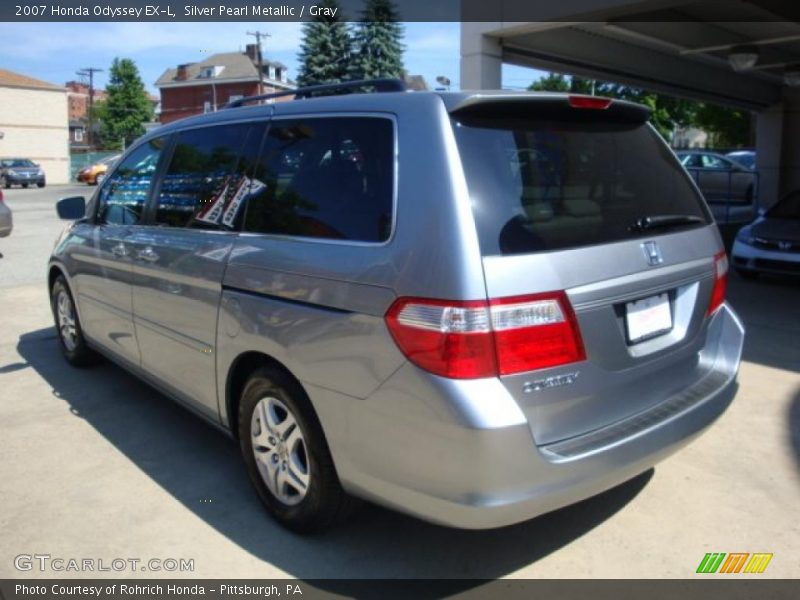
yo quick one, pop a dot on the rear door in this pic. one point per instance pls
(561, 197)
(179, 259)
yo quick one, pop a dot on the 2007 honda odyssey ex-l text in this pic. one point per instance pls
(470, 307)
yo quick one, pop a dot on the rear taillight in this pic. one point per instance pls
(591, 102)
(720, 282)
(467, 340)
(1, 195)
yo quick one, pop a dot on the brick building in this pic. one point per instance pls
(78, 110)
(195, 88)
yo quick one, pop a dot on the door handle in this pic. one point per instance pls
(147, 255)
(119, 250)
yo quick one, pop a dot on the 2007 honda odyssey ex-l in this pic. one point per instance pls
(471, 307)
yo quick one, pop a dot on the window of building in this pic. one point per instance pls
(325, 178)
(124, 194)
(207, 180)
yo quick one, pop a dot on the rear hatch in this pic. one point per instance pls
(578, 202)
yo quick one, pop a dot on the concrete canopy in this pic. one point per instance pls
(679, 47)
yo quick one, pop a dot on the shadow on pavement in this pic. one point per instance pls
(794, 426)
(194, 462)
(770, 310)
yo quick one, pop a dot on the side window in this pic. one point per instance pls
(207, 178)
(712, 162)
(325, 178)
(125, 192)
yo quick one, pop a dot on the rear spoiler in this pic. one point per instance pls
(557, 106)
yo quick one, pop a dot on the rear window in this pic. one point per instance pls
(540, 185)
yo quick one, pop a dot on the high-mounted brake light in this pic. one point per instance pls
(720, 282)
(589, 102)
(467, 340)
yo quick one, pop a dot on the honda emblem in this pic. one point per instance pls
(652, 253)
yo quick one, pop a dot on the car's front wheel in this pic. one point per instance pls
(286, 454)
(41, 184)
(68, 326)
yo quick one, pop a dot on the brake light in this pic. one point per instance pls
(590, 102)
(468, 340)
(720, 282)
(1, 195)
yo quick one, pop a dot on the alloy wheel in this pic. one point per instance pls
(280, 451)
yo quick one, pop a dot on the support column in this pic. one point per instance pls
(481, 58)
(769, 141)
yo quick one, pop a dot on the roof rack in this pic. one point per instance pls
(380, 85)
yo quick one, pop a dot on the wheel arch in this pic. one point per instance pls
(239, 372)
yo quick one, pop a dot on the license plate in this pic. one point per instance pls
(648, 317)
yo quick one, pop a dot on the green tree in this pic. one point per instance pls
(325, 49)
(377, 43)
(727, 127)
(127, 106)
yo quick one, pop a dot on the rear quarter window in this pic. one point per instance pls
(542, 185)
(325, 177)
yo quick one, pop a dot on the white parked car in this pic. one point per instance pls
(771, 243)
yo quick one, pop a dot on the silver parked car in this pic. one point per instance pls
(471, 307)
(729, 188)
(6, 220)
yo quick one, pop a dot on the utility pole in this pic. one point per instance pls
(258, 35)
(90, 71)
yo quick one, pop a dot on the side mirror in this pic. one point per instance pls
(71, 208)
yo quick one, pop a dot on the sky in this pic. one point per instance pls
(55, 51)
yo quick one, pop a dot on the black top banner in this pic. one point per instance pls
(501, 11)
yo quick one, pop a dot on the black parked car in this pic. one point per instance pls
(20, 171)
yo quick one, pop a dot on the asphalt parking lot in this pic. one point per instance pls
(98, 465)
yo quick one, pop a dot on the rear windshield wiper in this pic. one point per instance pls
(664, 222)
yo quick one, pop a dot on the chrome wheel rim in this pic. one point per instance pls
(66, 321)
(280, 451)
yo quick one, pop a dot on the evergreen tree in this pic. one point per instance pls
(325, 49)
(127, 106)
(377, 43)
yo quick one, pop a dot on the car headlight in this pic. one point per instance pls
(745, 236)
(12, 172)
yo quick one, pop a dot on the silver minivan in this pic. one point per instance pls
(471, 307)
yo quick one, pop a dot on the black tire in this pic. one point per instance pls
(750, 275)
(78, 353)
(25, 186)
(41, 184)
(325, 502)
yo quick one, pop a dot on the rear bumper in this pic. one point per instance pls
(480, 468)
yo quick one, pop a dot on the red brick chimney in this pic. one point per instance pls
(182, 74)
(252, 51)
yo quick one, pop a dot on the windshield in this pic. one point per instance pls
(539, 185)
(18, 162)
(788, 208)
